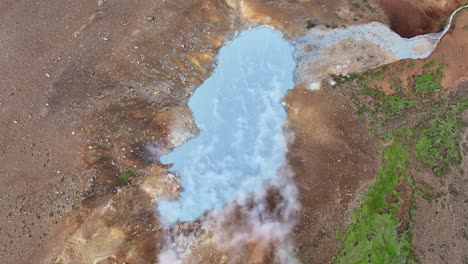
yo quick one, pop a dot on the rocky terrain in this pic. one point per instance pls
(93, 93)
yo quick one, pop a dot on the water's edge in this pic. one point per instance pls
(313, 65)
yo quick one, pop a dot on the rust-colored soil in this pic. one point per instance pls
(440, 219)
(411, 18)
(452, 51)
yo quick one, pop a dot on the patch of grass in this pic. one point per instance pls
(403, 134)
(389, 107)
(402, 66)
(440, 69)
(428, 65)
(372, 237)
(360, 78)
(433, 137)
(377, 75)
(394, 107)
(424, 195)
(341, 79)
(338, 234)
(425, 83)
(437, 146)
(361, 109)
(125, 177)
(442, 24)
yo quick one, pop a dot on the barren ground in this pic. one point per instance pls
(84, 86)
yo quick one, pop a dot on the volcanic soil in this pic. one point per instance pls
(86, 87)
(334, 158)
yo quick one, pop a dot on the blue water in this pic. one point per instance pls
(239, 113)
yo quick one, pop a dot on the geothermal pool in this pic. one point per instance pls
(238, 110)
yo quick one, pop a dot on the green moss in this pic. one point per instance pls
(411, 64)
(403, 134)
(433, 138)
(360, 78)
(125, 177)
(440, 69)
(438, 142)
(377, 75)
(372, 237)
(342, 79)
(442, 24)
(424, 195)
(394, 107)
(389, 107)
(428, 65)
(425, 83)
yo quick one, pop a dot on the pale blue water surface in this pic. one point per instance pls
(239, 113)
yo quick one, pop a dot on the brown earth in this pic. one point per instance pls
(451, 51)
(291, 16)
(85, 86)
(334, 159)
(410, 18)
(440, 218)
(441, 221)
(76, 74)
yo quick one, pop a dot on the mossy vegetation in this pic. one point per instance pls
(125, 177)
(442, 24)
(360, 78)
(425, 84)
(388, 107)
(437, 145)
(424, 132)
(372, 237)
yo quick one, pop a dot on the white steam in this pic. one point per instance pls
(264, 218)
(235, 168)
